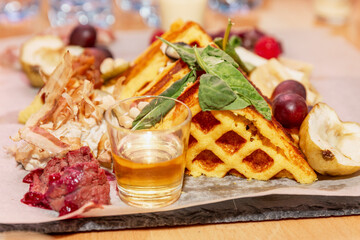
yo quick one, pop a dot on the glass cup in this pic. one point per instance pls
(172, 10)
(12, 11)
(333, 11)
(148, 10)
(96, 12)
(233, 6)
(149, 156)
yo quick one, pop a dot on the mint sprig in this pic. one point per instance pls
(223, 87)
(152, 113)
(226, 74)
(229, 46)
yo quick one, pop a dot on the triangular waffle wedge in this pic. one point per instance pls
(240, 142)
(152, 71)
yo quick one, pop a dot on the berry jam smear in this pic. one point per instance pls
(29, 177)
(68, 183)
(36, 199)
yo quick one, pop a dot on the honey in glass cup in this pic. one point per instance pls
(149, 162)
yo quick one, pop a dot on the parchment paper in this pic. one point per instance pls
(336, 76)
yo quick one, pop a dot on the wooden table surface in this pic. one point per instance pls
(273, 13)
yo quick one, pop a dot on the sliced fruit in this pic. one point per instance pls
(331, 146)
(269, 75)
(74, 50)
(35, 106)
(110, 68)
(48, 59)
(40, 53)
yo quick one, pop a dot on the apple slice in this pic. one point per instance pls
(40, 53)
(331, 146)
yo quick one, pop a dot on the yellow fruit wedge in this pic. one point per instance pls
(330, 145)
(111, 68)
(35, 106)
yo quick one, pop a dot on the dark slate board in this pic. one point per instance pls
(271, 207)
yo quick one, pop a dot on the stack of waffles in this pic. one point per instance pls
(239, 142)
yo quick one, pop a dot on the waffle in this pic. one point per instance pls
(152, 72)
(240, 142)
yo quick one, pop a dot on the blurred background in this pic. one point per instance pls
(33, 16)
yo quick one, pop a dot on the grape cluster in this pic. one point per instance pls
(86, 36)
(289, 103)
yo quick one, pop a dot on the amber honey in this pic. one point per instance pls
(149, 172)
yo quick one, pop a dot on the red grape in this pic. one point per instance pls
(106, 51)
(289, 86)
(289, 109)
(83, 35)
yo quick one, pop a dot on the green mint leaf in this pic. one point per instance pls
(229, 46)
(215, 94)
(158, 108)
(200, 60)
(152, 113)
(239, 103)
(236, 81)
(242, 87)
(235, 41)
(210, 51)
(186, 54)
(230, 50)
(178, 87)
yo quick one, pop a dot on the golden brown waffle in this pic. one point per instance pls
(152, 72)
(240, 142)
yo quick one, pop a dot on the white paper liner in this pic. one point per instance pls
(335, 76)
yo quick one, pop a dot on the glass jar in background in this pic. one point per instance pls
(13, 11)
(171, 10)
(333, 11)
(96, 12)
(133, 5)
(233, 6)
(148, 10)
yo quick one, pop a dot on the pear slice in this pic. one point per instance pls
(267, 74)
(40, 53)
(331, 146)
